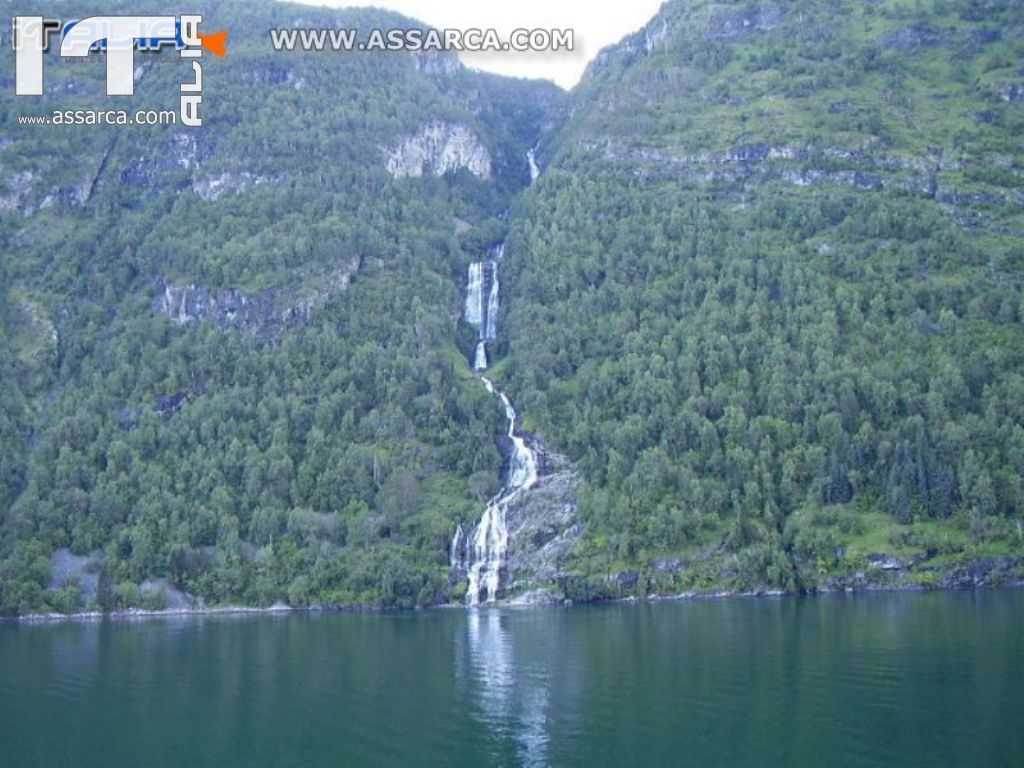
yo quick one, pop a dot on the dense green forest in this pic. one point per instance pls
(325, 460)
(777, 316)
(767, 296)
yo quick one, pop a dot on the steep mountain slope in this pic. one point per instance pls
(768, 294)
(234, 360)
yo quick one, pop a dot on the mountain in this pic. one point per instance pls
(767, 295)
(761, 315)
(236, 368)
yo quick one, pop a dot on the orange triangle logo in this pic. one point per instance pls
(215, 42)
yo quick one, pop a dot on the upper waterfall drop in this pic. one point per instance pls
(532, 160)
(491, 320)
(482, 303)
(475, 294)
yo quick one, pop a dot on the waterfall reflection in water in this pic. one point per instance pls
(512, 704)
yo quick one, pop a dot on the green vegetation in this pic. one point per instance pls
(768, 296)
(320, 461)
(774, 379)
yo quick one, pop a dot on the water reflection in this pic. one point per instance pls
(905, 680)
(510, 673)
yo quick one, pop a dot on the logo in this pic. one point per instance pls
(117, 37)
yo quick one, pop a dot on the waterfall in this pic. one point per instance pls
(483, 279)
(475, 294)
(487, 554)
(522, 468)
(481, 314)
(482, 553)
(491, 324)
(458, 542)
(534, 170)
(488, 542)
(480, 357)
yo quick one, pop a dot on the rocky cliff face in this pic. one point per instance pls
(264, 312)
(436, 62)
(717, 93)
(882, 571)
(27, 193)
(437, 148)
(212, 187)
(934, 175)
(542, 531)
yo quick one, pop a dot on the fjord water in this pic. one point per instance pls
(884, 680)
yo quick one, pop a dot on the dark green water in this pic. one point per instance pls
(884, 680)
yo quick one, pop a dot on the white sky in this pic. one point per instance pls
(596, 23)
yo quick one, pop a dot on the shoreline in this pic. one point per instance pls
(280, 609)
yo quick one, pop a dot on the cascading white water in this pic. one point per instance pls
(483, 279)
(487, 554)
(488, 543)
(482, 554)
(480, 357)
(522, 468)
(534, 170)
(457, 542)
(475, 295)
(491, 326)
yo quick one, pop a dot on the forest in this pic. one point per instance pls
(767, 296)
(770, 298)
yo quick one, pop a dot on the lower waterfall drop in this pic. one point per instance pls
(480, 358)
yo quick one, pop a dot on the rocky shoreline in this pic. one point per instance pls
(141, 613)
(538, 598)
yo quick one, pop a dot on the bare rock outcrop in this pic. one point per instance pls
(437, 148)
(543, 529)
(264, 312)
